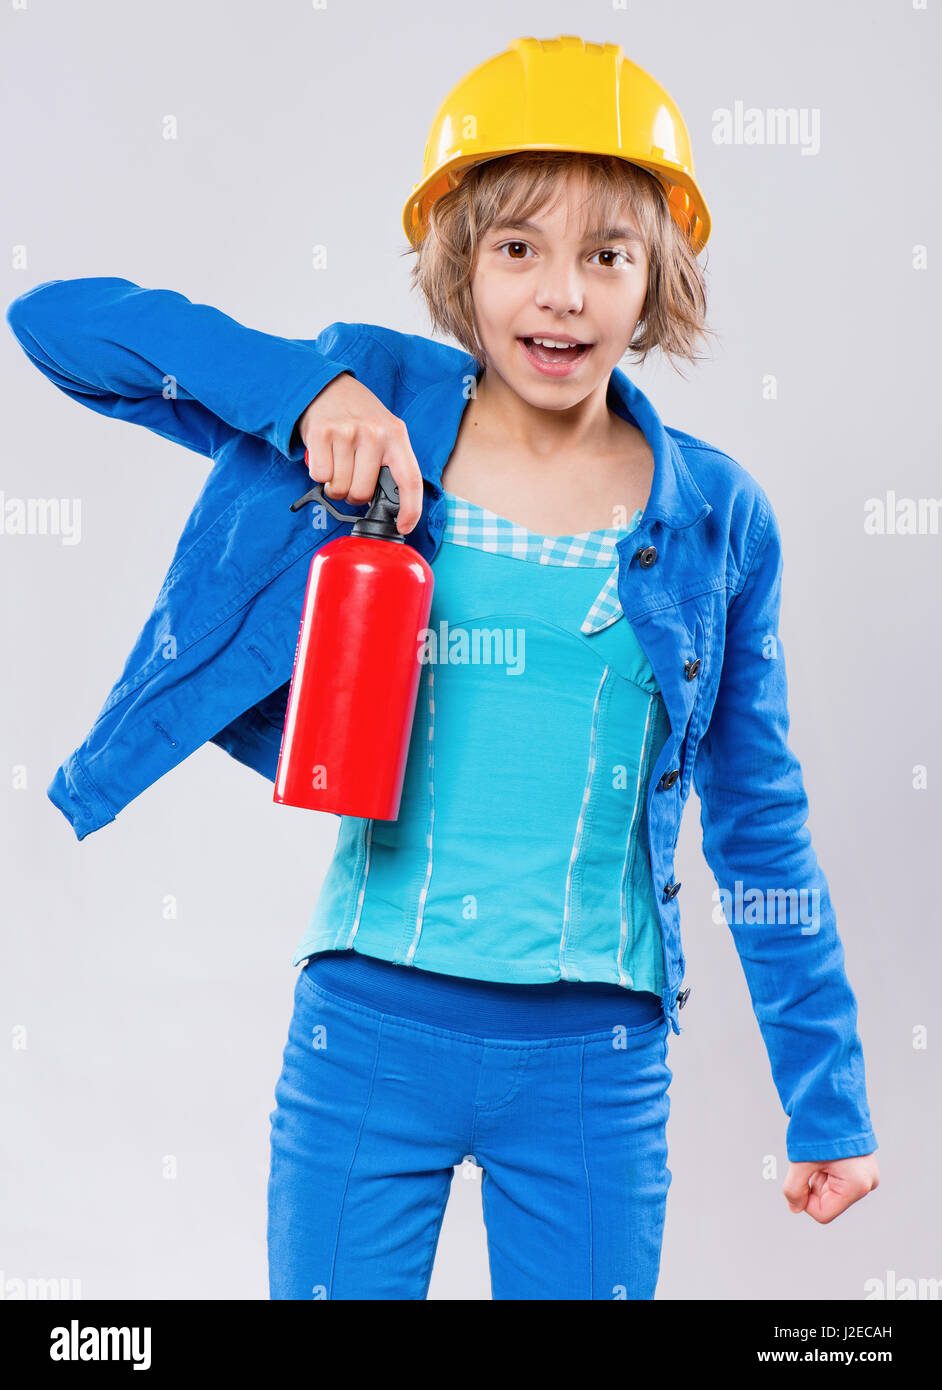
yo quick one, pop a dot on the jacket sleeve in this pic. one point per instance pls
(753, 811)
(186, 371)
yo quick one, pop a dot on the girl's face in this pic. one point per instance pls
(553, 278)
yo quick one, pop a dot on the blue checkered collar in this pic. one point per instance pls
(468, 524)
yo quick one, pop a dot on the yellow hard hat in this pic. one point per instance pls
(561, 94)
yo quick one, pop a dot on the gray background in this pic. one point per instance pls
(301, 126)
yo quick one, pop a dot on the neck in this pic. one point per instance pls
(500, 416)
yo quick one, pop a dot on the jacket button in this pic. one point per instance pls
(691, 668)
(668, 779)
(670, 891)
(682, 997)
(647, 556)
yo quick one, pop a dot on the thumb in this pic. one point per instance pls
(795, 1188)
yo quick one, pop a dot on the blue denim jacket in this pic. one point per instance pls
(699, 580)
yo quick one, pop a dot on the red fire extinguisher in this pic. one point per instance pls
(356, 665)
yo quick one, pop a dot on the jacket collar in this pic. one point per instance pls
(434, 417)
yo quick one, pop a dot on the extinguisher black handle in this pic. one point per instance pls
(316, 495)
(386, 492)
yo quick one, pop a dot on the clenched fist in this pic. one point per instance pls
(349, 434)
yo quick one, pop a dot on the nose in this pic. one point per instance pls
(558, 289)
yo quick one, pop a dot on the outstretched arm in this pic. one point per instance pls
(186, 371)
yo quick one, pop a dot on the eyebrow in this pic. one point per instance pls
(593, 234)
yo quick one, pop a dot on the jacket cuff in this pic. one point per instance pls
(285, 439)
(855, 1147)
(79, 800)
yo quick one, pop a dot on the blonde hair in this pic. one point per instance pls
(517, 185)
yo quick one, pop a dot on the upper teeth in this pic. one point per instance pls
(554, 343)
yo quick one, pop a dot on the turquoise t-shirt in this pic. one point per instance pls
(521, 857)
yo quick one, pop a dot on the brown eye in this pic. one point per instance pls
(613, 251)
(520, 245)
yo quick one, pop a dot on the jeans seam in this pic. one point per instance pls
(585, 1165)
(353, 1158)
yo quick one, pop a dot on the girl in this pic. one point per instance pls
(492, 975)
(495, 974)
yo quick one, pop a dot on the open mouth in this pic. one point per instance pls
(555, 356)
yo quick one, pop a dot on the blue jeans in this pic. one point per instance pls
(375, 1108)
